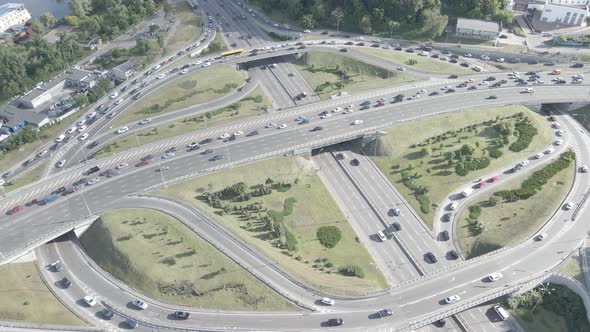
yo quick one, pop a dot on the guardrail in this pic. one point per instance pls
(7, 326)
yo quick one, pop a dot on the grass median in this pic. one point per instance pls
(25, 298)
(30, 177)
(329, 73)
(414, 61)
(191, 89)
(157, 255)
(279, 213)
(427, 159)
(253, 104)
(508, 223)
(189, 28)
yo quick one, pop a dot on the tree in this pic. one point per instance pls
(150, 6)
(329, 236)
(81, 100)
(89, 26)
(338, 14)
(167, 7)
(81, 8)
(493, 201)
(47, 19)
(154, 27)
(366, 24)
(308, 21)
(391, 24)
(162, 42)
(72, 20)
(142, 46)
(36, 27)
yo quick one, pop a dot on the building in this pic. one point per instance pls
(78, 79)
(125, 70)
(477, 29)
(565, 12)
(13, 14)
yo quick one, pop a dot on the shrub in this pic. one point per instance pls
(496, 154)
(329, 236)
(288, 206)
(526, 131)
(474, 212)
(352, 271)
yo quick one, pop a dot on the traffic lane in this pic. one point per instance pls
(387, 255)
(484, 318)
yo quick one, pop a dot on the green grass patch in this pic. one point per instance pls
(420, 63)
(508, 223)
(327, 73)
(191, 89)
(188, 29)
(29, 177)
(25, 298)
(217, 45)
(572, 267)
(174, 265)
(250, 106)
(425, 159)
(261, 221)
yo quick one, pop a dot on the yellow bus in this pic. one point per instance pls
(227, 54)
(556, 71)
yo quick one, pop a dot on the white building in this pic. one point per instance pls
(125, 70)
(13, 14)
(566, 12)
(477, 29)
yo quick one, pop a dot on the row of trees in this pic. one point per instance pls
(414, 18)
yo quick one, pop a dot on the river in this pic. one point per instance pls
(59, 8)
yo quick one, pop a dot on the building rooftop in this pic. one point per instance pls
(9, 7)
(478, 25)
(125, 66)
(36, 92)
(15, 115)
(76, 74)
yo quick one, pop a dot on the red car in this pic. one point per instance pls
(15, 209)
(379, 104)
(143, 162)
(481, 184)
(494, 179)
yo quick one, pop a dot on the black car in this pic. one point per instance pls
(349, 43)
(374, 45)
(93, 169)
(453, 61)
(217, 157)
(447, 217)
(493, 97)
(253, 133)
(70, 191)
(66, 283)
(93, 145)
(360, 44)
(182, 315)
(170, 150)
(453, 76)
(398, 48)
(107, 314)
(318, 128)
(366, 107)
(430, 258)
(453, 254)
(134, 81)
(355, 162)
(577, 65)
(450, 90)
(385, 313)
(124, 88)
(302, 47)
(334, 322)
(205, 141)
(434, 93)
(148, 157)
(441, 323)
(444, 235)
(366, 102)
(343, 50)
(61, 190)
(464, 64)
(396, 226)
(208, 151)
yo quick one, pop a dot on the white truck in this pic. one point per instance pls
(467, 191)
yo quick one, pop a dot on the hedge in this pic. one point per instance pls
(526, 131)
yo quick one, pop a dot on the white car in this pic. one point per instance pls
(118, 102)
(568, 205)
(114, 95)
(161, 76)
(584, 169)
(167, 155)
(184, 71)
(560, 133)
(325, 116)
(337, 110)
(92, 181)
(60, 138)
(238, 133)
(306, 31)
(539, 155)
(82, 128)
(358, 122)
(550, 150)
(524, 163)
(495, 276)
(70, 130)
(283, 126)
(207, 64)
(156, 67)
(139, 304)
(224, 136)
(145, 121)
(452, 299)
(423, 91)
(90, 301)
(453, 205)
(193, 145)
(401, 68)
(81, 122)
(122, 130)
(328, 301)
(558, 142)
(84, 136)
(123, 165)
(41, 154)
(271, 125)
(60, 163)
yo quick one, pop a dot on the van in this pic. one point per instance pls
(381, 236)
(477, 68)
(501, 312)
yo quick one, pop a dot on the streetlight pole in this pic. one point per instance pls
(85, 203)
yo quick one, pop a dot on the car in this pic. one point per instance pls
(447, 217)
(111, 115)
(326, 116)
(430, 257)
(65, 282)
(145, 121)
(121, 166)
(131, 323)
(453, 254)
(89, 300)
(434, 93)
(584, 169)
(355, 162)
(216, 158)
(493, 97)
(206, 140)
(385, 313)
(139, 304)
(182, 315)
(208, 151)
(394, 212)
(396, 226)
(143, 162)
(15, 210)
(7, 174)
(224, 136)
(453, 205)
(122, 130)
(238, 133)
(271, 125)
(568, 205)
(524, 163)
(541, 237)
(539, 155)
(82, 128)
(558, 142)
(107, 314)
(60, 163)
(441, 322)
(118, 102)
(161, 76)
(334, 322)
(493, 179)
(358, 122)
(92, 181)
(167, 155)
(92, 169)
(444, 235)
(114, 95)
(252, 133)
(70, 130)
(84, 136)
(283, 126)
(549, 150)
(318, 128)
(328, 301)
(495, 276)
(452, 299)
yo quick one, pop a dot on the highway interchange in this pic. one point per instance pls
(415, 304)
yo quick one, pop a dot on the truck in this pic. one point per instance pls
(467, 191)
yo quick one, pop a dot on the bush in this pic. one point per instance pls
(474, 212)
(329, 236)
(525, 131)
(496, 154)
(288, 206)
(352, 271)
